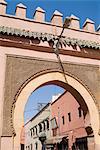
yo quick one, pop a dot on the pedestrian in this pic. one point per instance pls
(64, 144)
(55, 146)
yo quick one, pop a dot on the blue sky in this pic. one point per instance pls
(41, 95)
(80, 8)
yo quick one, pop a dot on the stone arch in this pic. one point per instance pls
(46, 77)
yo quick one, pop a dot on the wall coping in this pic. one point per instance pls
(49, 37)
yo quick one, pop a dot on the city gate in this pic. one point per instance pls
(30, 58)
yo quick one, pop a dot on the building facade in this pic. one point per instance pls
(37, 127)
(70, 121)
(62, 118)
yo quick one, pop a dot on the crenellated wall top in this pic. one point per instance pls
(54, 27)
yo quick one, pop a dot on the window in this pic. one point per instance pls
(48, 124)
(44, 127)
(40, 127)
(36, 146)
(22, 146)
(63, 121)
(31, 147)
(80, 112)
(28, 147)
(36, 129)
(54, 132)
(31, 132)
(69, 117)
(54, 123)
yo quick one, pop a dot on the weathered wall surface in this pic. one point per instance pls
(26, 50)
(19, 69)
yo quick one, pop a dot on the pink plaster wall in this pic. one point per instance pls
(62, 107)
(6, 143)
(22, 136)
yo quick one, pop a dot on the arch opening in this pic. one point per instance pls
(73, 86)
(72, 90)
(40, 98)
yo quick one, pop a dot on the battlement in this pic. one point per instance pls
(39, 24)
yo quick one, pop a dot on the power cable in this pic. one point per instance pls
(57, 43)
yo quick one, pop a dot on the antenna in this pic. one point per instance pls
(40, 106)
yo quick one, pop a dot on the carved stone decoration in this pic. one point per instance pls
(21, 70)
(49, 37)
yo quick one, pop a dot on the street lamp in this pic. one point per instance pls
(66, 24)
(42, 138)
